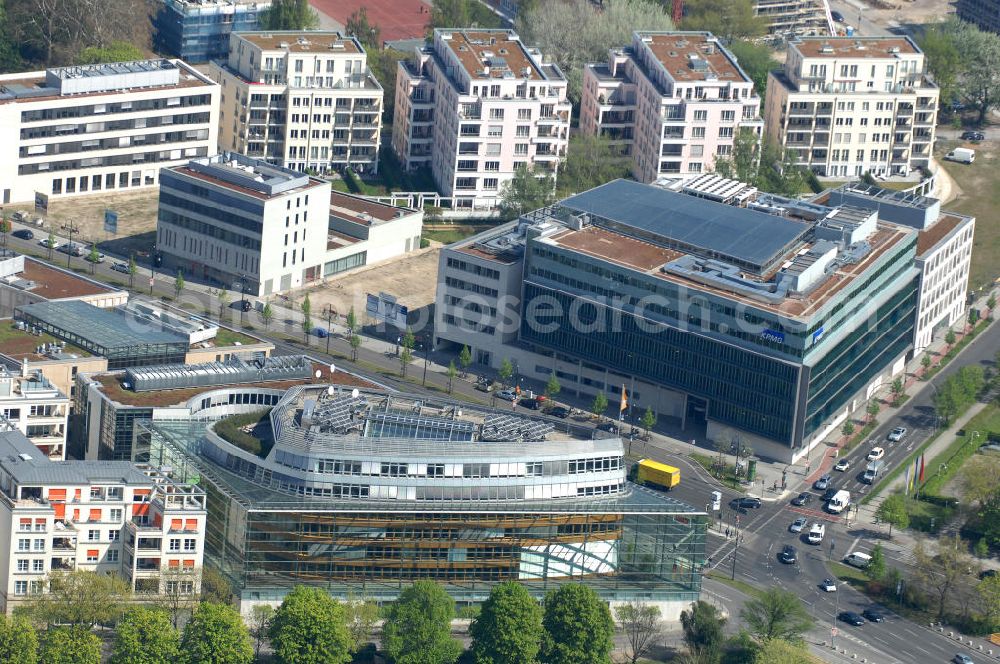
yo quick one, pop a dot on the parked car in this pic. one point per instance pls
(321, 332)
(560, 411)
(897, 434)
(830, 492)
(506, 395)
(837, 16)
(99, 258)
(987, 573)
(816, 533)
(851, 618)
(71, 248)
(747, 502)
(529, 403)
(608, 426)
(798, 525)
(244, 305)
(802, 498)
(973, 136)
(822, 483)
(788, 555)
(828, 585)
(842, 465)
(46, 242)
(871, 615)
(118, 266)
(876, 454)
(484, 384)
(24, 234)
(962, 658)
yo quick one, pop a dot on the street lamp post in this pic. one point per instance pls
(243, 298)
(329, 327)
(427, 352)
(70, 228)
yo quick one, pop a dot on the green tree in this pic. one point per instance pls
(897, 388)
(132, 270)
(939, 574)
(223, 301)
(310, 628)
(599, 405)
(703, 632)
(925, 361)
(5, 226)
(872, 409)
(848, 429)
(362, 616)
(988, 591)
(452, 372)
(942, 57)
(405, 357)
(409, 341)
(648, 420)
(744, 162)
(79, 598)
(461, 14)
(179, 283)
(352, 322)
(508, 629)
(591, 161)
(641, 624)
(991, 304)
(779, 651)
(980, 479)
(505, 372)
(979, 54)
(465, 359)
(216, 635)
(289, 15)
(116, 51)
(306, 316)
(552, 387)
(876, 566)
(417, 628)
(50, 242)
(259, 624)
(757, 60)
(776, 614)
(726, 19)
(145, 636)
(525, 192)
(949, 338)
(892, 510)
(369, 34)
(355, 343)
(92, 257)
(981, 549)
(267, 315)
(578, 627)
(215, 587)
(69, 645)
(383, 64)
(573, 34)
(10, 56)
(18, 641)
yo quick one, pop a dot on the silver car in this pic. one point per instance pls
(798, 525)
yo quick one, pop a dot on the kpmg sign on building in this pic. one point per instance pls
(771, 335)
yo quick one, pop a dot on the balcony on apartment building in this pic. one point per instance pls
(63, 564)
(617, 118)
(418, 116)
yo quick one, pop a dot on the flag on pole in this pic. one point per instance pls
(907, 483)
(624, 404)
(921, 467)
(916, 470)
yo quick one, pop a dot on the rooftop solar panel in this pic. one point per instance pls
(696, 225)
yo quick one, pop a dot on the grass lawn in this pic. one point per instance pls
(983, 423)
(451, 235)
(227, 337)
(710, 463)
(927, 517)
(742, 586)
(851, 575)
(980, 197)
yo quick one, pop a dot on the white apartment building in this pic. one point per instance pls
(244, 222)
(31, 404)
(674, 101)
(93, 129)
(112, 517)
(846, 106)
(474, 106)
(302, 100)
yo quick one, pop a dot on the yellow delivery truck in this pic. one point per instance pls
(658, 474)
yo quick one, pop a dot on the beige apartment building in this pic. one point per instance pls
(474, 106)
(847, 106)
(674, 101)
(301, 100)
(95, 129)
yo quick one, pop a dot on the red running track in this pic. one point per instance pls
(397, 19)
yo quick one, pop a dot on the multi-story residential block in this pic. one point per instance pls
(108, 516)
(278, 229)
(102, 128)
(795, 17)
(674, 101)
(302, 100)
(36, 408)
(847, 106)
(944, 251)
(474, 105)
(734, 323)
(369, 490)
(983, 13)
(198, 30)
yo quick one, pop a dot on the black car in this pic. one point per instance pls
(987, 573)
(559, 412)
(851, 618)
(530, 404)
(245, 305)
(973, 136)
(837, 16)
(830, 493)
(873, 616)
(24, 234)
(748, 503)
(802, 499)
(788, 555)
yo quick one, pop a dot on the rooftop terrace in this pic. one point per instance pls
(692, 56)
(54, 284)
(297, 41)
(495, 54)
(854, 47)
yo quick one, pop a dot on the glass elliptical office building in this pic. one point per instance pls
(365, 492)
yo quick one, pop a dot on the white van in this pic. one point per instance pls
(816, 533)
(961, 155)
(858, 559)
(840, 501)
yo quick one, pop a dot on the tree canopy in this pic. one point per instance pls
(756, 60)
(892, 510)
(417, 627)
(70, 645)
(216, 635)
(764, 164)
(779, 651)
(508, 629)
(776, 614)
(289, 15)
(727, 19)
(309, 628)
(116, 51)
(79, 598)
(18, 641)
(578, 627)
(525, 192)
(145, 636)
(591, 161)
(959, 392)
(641, 624)
(964, 62)
(463, 14)
(703, 631)
(575, 32)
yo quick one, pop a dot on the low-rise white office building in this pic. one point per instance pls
(302, 100)
(242, 222)
(93, 129)
(112, 517)
(673, 101)
(473, 106)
